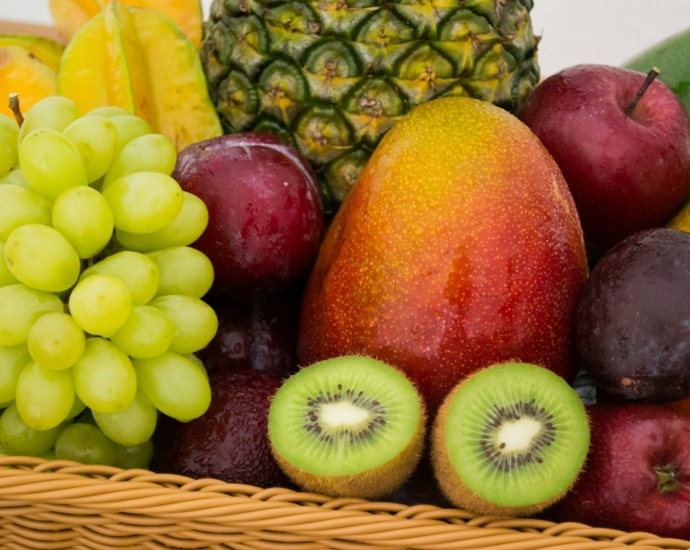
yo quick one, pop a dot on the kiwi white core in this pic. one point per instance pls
(344, 414)
(517, 436)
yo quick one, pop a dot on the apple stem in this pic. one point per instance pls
(667, 478)
(14, 106)
(651, 75)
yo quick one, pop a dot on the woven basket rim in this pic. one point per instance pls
(63, 504)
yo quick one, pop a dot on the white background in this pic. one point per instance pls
(573, 31)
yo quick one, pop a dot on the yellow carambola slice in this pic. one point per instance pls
(94, 71)
(44, 49)
(26, 75)
(140, 60)
(70, 15)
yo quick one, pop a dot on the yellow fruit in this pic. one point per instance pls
(70, 15)
(24, 74)
(681, 220)
(46, 50)
(141, 61)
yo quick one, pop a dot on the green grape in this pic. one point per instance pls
(54, 113)
(16, 177)
(20, 307)
(186, 228)
(13, 359)
(185, 271)
(108, 112)
(83, 216)
(132, 426)
(128, 128)
(6, 277)
(55, 341)
(197, 363)
(134, 458)
(104, 378)
(149, 153)
(174, 385)
(86, 444)
(144, 202)
(51, 163)
(195, 322)
(77, 408)
(20, 206)
(138, 272)
(96, 140)
(40, 257)
(9, 134)
(18, 438)
(146, 333)
(100, 304)
(47, 455)
(44, 397)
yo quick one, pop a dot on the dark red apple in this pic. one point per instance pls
(265, 213)
(637, 473)
(230, 441)
(259, 333)
(627, 172)
(633, 318)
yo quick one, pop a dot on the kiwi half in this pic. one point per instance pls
(347, 427)
(509, 440)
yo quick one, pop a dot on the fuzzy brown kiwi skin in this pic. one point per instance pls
(452, 486)
(371, 484)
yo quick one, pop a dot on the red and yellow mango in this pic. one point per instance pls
(459, 247)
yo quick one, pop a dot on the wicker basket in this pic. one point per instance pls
(62, 504)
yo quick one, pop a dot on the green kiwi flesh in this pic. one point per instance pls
(349, 426)
(509, 440)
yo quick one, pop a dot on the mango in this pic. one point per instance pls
(458, 247)
(45, 50)
(140, 60)
(23, 73)
(671, 57)
(71, 15)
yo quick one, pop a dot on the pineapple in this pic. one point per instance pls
(333, 76)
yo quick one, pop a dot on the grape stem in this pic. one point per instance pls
(14, 106)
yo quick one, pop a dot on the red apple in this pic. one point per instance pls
(637, 473)
(627, 172)
(265, 213)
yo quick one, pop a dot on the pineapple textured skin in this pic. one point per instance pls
(333, 76)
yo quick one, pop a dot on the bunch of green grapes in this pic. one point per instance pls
(100, 293)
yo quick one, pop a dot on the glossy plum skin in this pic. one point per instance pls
(258, 334)
(265, 212)
(618, 487)
(633, 318)
(626, 173)
(230, 441)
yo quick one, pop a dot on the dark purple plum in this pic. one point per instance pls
(259, 333)
(230, 441)
(633, 318)
(266, 218)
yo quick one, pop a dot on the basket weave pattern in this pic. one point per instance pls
(62, 504)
